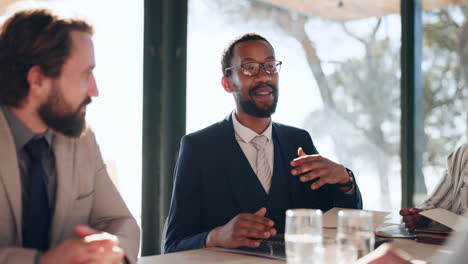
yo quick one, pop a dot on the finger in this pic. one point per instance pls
(316, 185)
(251, 225)
(273, 232)
(410, 228)
(408, 218)
(404, 212)
(119, 254)
(261, 212)
(414, 222)
(308, 166)
(247, 243)
(97, 245)
(252, 233)
(257, 219)
(102, 251)
(414, 211)
(112, 255)
(312, 175)
(82, 231)
(300, 160)
(105, 251)
(300, 152)
(108, 257)
(96, 242)
(85, 252)
(410, 224)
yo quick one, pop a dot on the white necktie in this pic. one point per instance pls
(263, 168)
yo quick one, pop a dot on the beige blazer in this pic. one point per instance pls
(85, 195)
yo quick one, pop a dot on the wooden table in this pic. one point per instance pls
(206, 256)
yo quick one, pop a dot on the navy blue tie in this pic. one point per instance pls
(36, 210)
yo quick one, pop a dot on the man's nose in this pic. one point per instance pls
(92, 90)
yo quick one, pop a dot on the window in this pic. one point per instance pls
(444, 68)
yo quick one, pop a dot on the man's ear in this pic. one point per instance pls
(36, 80)
(226, 84)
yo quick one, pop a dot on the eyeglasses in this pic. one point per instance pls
(252, 68)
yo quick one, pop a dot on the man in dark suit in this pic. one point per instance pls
(235, 179)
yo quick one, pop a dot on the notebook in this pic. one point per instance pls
(396, 231)
(433, 235)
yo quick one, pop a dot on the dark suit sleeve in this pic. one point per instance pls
(339, 198)
(184, 220)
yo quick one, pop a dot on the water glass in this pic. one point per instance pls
(303, 236)
(355, 235)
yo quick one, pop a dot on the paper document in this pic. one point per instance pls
(444, 217)
(330, 218)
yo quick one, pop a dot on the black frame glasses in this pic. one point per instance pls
(253, 68)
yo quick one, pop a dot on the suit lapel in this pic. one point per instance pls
(9, 173)
(66, 181)
(287, 149)
(246, 187)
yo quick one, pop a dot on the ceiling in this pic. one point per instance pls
(345, 10)
(339, 10)
(6, 4)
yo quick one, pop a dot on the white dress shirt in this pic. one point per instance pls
(244, 135)
(452, 191)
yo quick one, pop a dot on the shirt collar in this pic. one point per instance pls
(21, 133)
(247, 134)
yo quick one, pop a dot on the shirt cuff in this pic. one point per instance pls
(417, 261)
(351, 191)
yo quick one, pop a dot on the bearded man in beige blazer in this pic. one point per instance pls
(57, 203)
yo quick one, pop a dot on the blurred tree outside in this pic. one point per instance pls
(445, 74)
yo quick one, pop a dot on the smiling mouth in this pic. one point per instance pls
(263, 93)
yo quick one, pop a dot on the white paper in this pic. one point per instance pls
(444, 217)
(330, 218)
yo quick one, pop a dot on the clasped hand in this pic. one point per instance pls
(413, 219)
(242, 230)
(91, 247)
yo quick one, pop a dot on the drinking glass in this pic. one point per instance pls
(355, 235)
(303, 236)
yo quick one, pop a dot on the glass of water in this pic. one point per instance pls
(303, 236)
(355, 235)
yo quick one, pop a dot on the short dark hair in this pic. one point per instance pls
(29, 38)
(229, 50)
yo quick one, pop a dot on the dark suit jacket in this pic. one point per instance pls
(214, 182)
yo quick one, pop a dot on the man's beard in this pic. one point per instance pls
(59, 115)
(249, 106)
